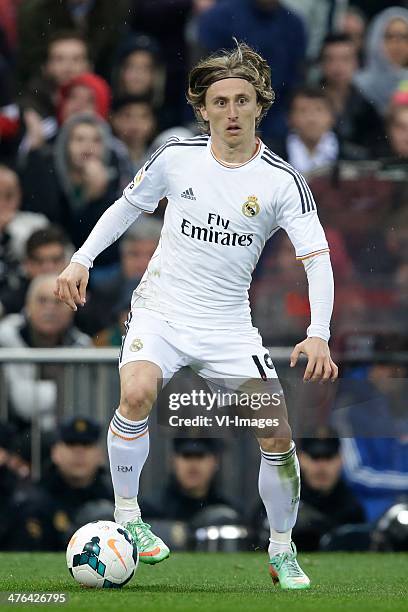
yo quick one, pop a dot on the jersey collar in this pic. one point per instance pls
(259, 147)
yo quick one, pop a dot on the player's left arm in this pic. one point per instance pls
(297, 215)
(320, 365)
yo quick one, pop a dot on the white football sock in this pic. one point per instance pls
(128, 448)
(279, 488)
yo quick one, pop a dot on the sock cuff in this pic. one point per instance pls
(279, 458)
(126, 428)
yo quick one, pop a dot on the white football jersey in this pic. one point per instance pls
(217, 221)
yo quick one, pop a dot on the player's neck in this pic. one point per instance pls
(234, 155)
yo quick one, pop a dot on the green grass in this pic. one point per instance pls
(222, 583)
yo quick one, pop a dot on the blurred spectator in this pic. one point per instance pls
(45, 515)
(400, 283)
(8, 482)
(280, 294)
(278, 34)
(312, 144)
(326, 499)
(75, 183)
(386, 55)
(372, 418)
(67, 56)
(320, 17)
(85, 93)
(96, 21)
(191, 487)
(166, 20)
(46, 323)
(6, 72)
(353, 25)
(15, 227)
(46, 252)
(395, 148)
(191, 32)
(134, 123)
(357, 206)
(109, 301)
(138, 70)
(357, 120)
(371, 8)
(8, 21)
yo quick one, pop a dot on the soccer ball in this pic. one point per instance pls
(102, 554)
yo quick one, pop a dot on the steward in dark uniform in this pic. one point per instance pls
(73, 490)
(180, 499)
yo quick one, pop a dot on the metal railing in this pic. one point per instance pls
(91, 387)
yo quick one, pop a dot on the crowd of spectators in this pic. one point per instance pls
(88, 91)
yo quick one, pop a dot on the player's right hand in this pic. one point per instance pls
(71, 285)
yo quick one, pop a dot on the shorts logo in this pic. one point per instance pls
(136, 345)
(251, 207)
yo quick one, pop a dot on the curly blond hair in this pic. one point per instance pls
(241, 63)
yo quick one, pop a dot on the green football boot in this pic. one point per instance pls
(151, 548)
(284, 569)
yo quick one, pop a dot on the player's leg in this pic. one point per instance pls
(148, 356)
(128, 435)
(128, 447)
(279, 488)
(248, 361)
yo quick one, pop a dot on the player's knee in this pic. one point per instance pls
(136, 401)
(278, 443)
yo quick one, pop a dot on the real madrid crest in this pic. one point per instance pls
(136, 345)
(251, 207)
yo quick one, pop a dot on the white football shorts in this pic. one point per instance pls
(212, 354)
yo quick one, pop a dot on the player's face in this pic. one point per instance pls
(66, 60)
(231, 109)
(85, 143)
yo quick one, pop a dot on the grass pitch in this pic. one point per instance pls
(220, 582)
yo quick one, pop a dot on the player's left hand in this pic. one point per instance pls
(320, 365)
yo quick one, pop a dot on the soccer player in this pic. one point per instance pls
(227, 194)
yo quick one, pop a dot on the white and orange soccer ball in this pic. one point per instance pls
(102, 554)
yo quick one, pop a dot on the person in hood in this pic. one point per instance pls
(85, 93)
(75, 182)
(386, 57)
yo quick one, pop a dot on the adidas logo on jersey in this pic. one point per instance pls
(189, 194)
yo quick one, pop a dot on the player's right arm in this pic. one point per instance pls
(141, 195)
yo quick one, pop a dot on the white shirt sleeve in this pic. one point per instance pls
(142, 195)
(113, 223)
(296, 213)
(321, 294)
